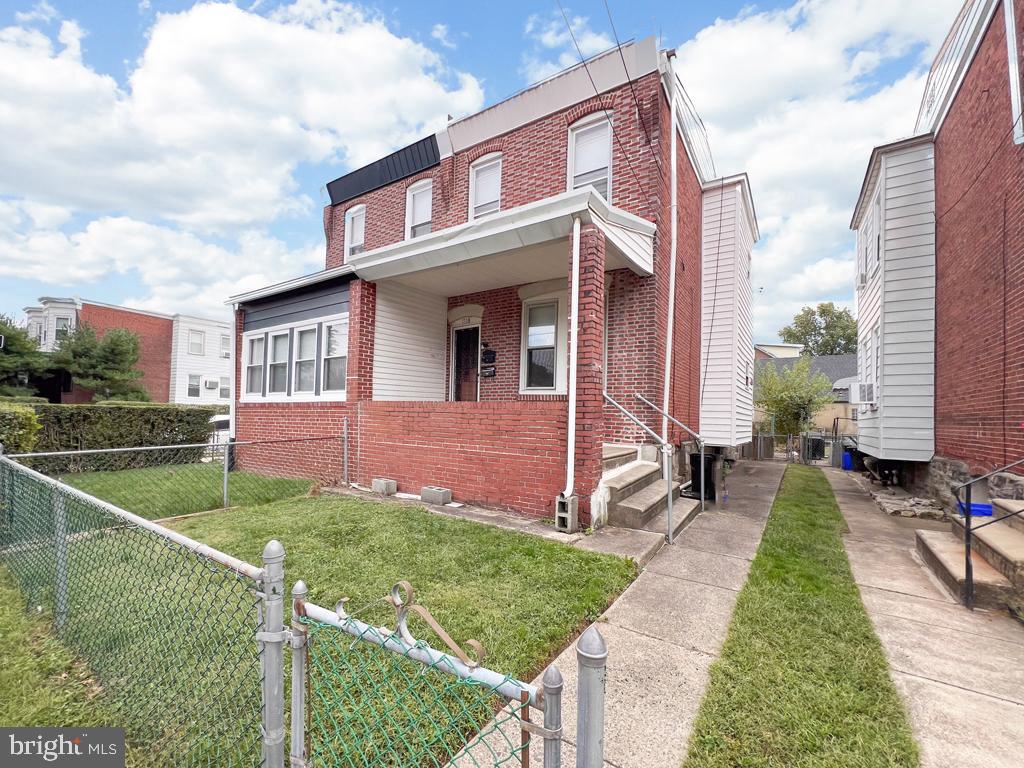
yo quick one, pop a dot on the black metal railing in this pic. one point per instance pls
(969, 527)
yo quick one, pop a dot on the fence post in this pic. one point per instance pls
(272, 654)
(299, 639)
(60, 542)
(592, 662)
(552, 717)
(224, 485)
(344, 448)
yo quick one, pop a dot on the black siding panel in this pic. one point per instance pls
(406, 162)
(316, 301)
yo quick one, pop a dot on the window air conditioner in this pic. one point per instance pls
(212, 384)
(862, 393)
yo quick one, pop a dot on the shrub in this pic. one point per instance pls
(19, 426)
(22, 399)
(76, 427)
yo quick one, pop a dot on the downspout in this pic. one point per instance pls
(574, 312)
(673, 246)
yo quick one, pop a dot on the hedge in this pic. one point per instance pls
(96, 425)
(19, 426)
(23, 399)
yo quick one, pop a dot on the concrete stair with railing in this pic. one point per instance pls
(997, 557)
(637, 495)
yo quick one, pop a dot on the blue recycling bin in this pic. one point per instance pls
(977, 509)
(847, 461)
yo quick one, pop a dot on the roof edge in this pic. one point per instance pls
(871, 171)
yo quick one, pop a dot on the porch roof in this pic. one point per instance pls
(520, 245)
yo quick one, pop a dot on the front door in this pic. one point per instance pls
(466, 366)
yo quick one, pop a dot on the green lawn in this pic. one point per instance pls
(181, 489)
(167, 638)
(802, 679)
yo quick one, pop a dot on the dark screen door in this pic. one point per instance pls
(467, 356)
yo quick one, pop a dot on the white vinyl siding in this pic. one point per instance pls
(896, 310)
(726, 411)
(485, 186)
(409, 360)
(419, 205)
(188, 335)
(355, 230)
(590, 154)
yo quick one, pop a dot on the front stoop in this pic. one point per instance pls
(943, 553)
(614, 456)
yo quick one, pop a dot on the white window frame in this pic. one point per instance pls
(202, 342)
(286, 362)
(476, 165)
(225, 385)
(560, 298)
(247, 363)
(296, 397)
(879, 231)
(199, 386)
(412, 189)
(225, 346)
(57, 329)
(1013, 62)
(583, 123)
(326, 393)
(464, 325)
(349, 215)
(295, 358)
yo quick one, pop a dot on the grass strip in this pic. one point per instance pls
(802, 679)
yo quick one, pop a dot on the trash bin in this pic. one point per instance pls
(709, 476)
(847, 461)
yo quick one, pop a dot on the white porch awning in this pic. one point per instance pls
(521, 245)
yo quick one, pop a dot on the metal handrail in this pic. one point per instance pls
(969, 528)
(696, 436)
(666, 453)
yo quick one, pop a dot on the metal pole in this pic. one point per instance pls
(344, 447)
(271, 641)
(666, 453)
(226, 502)
(968, 565)
(552, 717)
(703, 492)
(592, 663)
(299, 639)
(60, 542)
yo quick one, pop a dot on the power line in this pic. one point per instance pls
(977, 178)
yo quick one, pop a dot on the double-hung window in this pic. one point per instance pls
(225, 346)
(304, 379)
(418, 208)
(196, 342)
(590, 154)
(254, 366)
(225, 387)
(194, 383)
(543, 357)
(63, 328)
(355, 230)
(485, 186)
(277, 363)
(335, 356)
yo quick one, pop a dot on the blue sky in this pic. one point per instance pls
(167, 154)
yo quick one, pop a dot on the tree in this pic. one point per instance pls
(105, 365)
(793, 396)
(20, 359)
(825, 330)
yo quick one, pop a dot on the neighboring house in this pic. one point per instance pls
(484, 286)
(183, 359)
(841, 371)
(780, 350)
(940, 235)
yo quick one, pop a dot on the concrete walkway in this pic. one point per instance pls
(666, 629)
(961, 673)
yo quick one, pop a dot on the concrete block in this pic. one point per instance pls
(384, 486)
(433, 494)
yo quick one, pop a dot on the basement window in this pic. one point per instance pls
(590, 154)
(485, 186)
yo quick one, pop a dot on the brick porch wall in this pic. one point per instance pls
(980, 267)
(154, 334)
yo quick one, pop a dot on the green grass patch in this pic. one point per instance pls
(802, 679)
(181, 489)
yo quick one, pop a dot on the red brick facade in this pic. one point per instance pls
(155, 334)
(979, 174)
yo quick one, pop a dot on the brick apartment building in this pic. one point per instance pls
(183, 359)
(486, 285)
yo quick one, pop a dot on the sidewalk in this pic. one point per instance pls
(961, 673)
(667, 628)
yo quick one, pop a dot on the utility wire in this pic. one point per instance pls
(977, 178)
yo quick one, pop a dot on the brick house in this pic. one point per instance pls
(183, 359)
(486, 285)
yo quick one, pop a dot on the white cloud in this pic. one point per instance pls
(41, 11)
(442, 35)
(797, 97)
(552, 45)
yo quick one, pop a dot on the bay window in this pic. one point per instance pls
(304, 361)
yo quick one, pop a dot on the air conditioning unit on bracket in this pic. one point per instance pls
(212, 384)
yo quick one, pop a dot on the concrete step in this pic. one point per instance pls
(944, 555)
(624, 484)
(637, 509)
(613, 456)
(1002, 507)
(684, 512)
(1001, 545)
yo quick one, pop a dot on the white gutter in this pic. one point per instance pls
(673, 246)
(574, 316)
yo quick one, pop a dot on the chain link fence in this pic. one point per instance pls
(166, 481)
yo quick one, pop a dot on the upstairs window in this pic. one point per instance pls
(418, 206)
(196, 342)
(590, 154)
(63, 328)
(225, 346)
(485, 186)
(355, 230)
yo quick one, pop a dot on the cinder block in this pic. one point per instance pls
(433, 494)
(384, 486)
